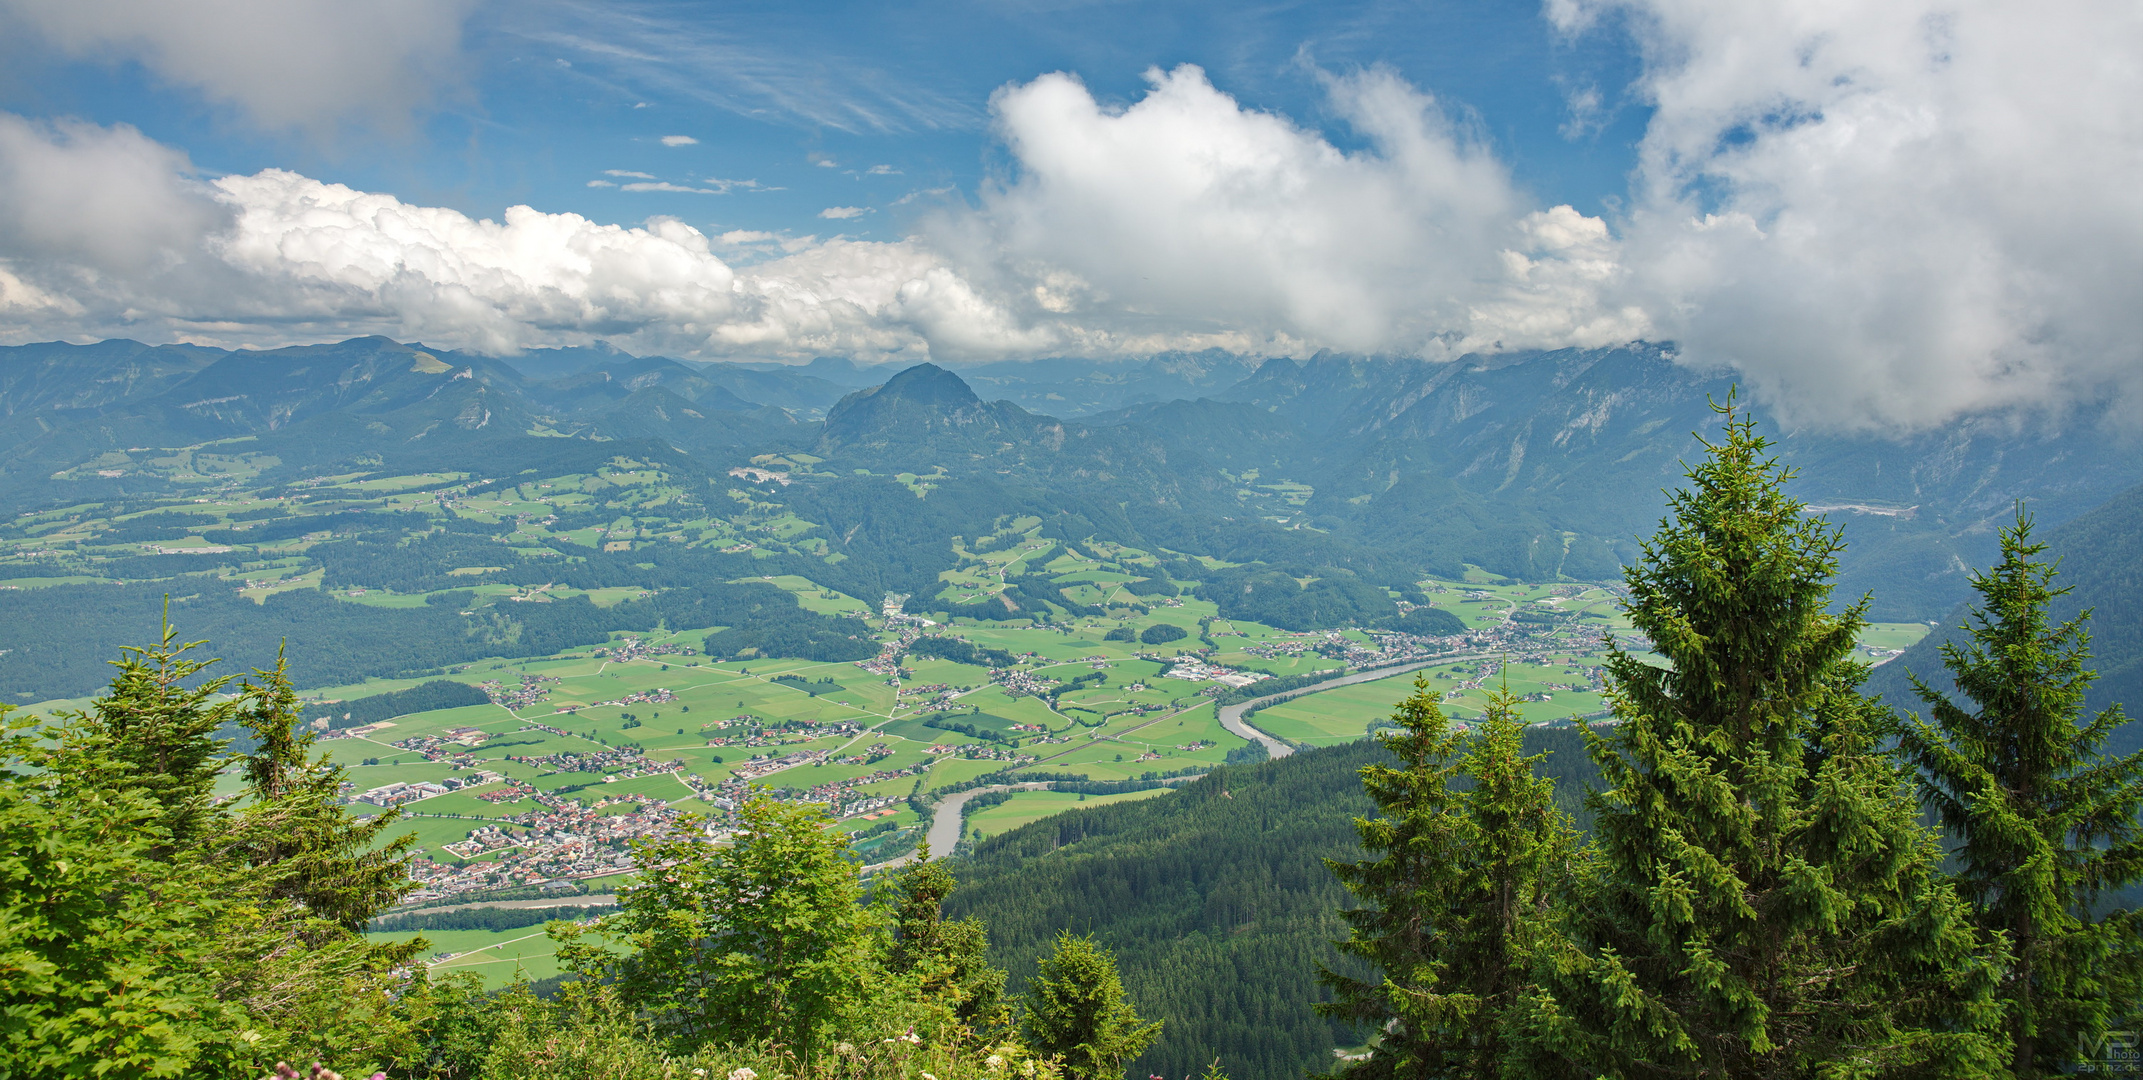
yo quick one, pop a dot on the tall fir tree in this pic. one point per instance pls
(1077, 1011)
(2041, 823)
(1760, 899)
(295, 828)
(1464, 850)
(160, 732)
(947, 958)
(182, 948)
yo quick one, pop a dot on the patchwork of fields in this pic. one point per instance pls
(1087, 661)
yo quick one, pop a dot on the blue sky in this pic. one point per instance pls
(1881, 216)
(805, 100)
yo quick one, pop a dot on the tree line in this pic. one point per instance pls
(1760, 894)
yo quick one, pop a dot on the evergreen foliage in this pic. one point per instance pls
(2040, 822)
(149, 929)
(1760, 899)
(294, 826)
(1467, 846)
(423, 697)
(1215, 900)
(959, 652)
(1076, 1011)
(947, 958)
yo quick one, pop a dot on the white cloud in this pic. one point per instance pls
(746, 236)
(600, 183)
(881, 170)
(103, 233)
(628, 174)
(1893, 213)
(1188, 210)
(664, 185)
(679, 140)
(708, 186)
(289, 64)
(1184, 220)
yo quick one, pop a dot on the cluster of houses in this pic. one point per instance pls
(399, 793)
(1193, 669)
(533, 688)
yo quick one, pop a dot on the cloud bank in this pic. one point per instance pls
(283, 64)
(1890, 214)
(1881, 216)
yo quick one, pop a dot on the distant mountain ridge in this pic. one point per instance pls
(1531, 465)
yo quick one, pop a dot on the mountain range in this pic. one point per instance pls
(1530, 465)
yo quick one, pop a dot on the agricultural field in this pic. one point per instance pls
(499, 956)
(1032, 806)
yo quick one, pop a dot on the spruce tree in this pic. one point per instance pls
(1465, 847)
(160, 733)
(1760, 899)
(947, 958)
(295, 826)
(2040, 822)
(1076, 1011)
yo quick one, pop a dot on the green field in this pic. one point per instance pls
(1027, 807)
(499, 956)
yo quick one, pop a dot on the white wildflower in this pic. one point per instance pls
(994, 1061)
(743, 1074)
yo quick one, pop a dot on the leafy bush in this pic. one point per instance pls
(1162, 633)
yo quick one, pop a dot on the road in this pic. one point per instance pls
(1231, 716)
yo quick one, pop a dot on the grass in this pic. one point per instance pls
(1026, 807)
(500, 956)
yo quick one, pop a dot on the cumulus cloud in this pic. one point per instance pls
(1184, 220)
(1890, 214)
(283, 64)
(1188, 207)
(104, 232)
(679, 140)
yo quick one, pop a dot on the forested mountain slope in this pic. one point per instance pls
(1215, 899)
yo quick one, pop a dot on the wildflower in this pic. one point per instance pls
(699, 1072)
(743, 1074)
(843, 1048)
(911, 1038)
(994, 1061)
(927, 1076)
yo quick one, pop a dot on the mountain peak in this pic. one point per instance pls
(910, 408)
(927, 384)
